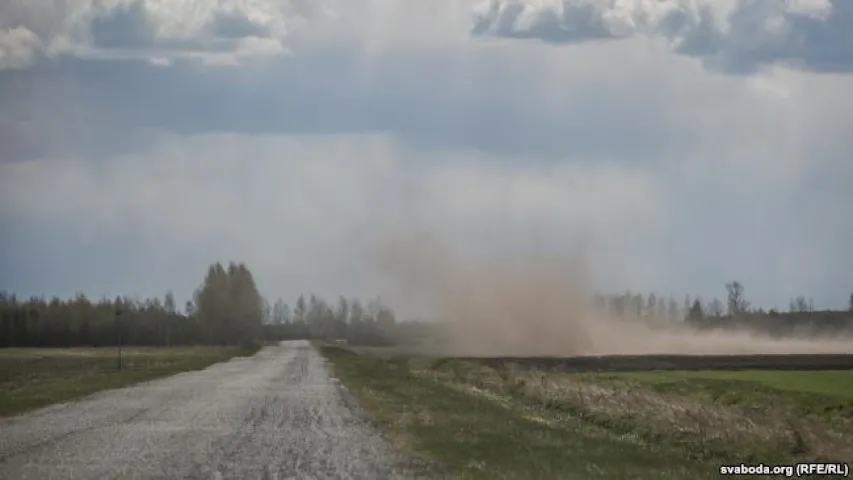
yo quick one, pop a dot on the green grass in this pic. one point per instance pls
(472, 434)
(822, 396)
(829, 383)
(36, 377)
(482, 422)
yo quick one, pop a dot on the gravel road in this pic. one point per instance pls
(275, 415)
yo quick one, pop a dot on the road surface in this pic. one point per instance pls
(275, 415)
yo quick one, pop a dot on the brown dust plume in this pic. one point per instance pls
(538, 304)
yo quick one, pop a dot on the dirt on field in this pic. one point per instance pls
(538, 304)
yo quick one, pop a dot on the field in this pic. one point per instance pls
(482, 419)
(35, 377)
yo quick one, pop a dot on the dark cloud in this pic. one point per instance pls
(761, 35)
(123, 27)
(757, 33)
(94, 107)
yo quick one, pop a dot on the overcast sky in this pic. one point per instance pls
(689, 142)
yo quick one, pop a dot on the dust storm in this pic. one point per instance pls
(540, 303)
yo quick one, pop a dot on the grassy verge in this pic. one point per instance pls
(36, 377)
(480, 422)
(712, 417)
(476, 431)
(758, 415)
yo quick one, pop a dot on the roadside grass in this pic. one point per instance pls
(31, 378)
(465, 421)
(781, 414)
(828, 383)
(722, 418)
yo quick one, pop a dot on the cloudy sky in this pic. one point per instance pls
(688, 142)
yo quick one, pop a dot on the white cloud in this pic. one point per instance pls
(221, 31)
(18, 48)
(817, 9)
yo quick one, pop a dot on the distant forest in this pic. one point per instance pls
(227, 309)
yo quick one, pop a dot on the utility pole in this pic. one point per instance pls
(118, 332)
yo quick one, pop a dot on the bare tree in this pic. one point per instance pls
(716, 308)
(800, 305)
(736, 303)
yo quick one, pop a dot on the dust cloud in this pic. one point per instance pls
(540, 304)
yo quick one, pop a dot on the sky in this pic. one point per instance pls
(683, 143)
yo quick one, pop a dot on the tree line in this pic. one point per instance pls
(348, 319)
(228, 309)
(652, 306)
(630, 304)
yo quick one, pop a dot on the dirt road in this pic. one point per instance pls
(275, 415)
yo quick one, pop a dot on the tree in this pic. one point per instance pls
(189, 308)
(736, 303)
(228, 305)
(169, 303)
(278, 312)
(385, 322)
(211, 303)
(672, 310)
(716, 308)
(267, 309)
(245, 304)
(341, 316)
(638, 305)
(226, 309)
(651, 306)
(801, 305)
(286, 317)
(696, 314)
(299, 309)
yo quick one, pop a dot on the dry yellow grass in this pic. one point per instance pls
(703, 427)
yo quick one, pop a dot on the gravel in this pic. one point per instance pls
(276, 415)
